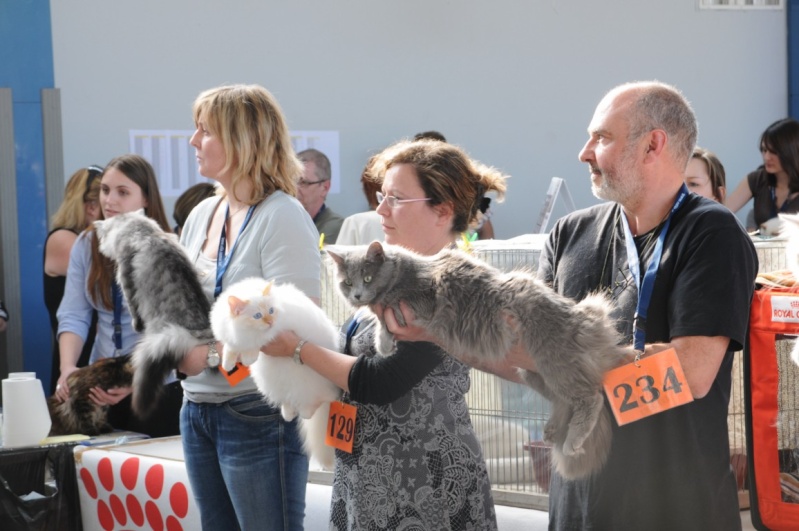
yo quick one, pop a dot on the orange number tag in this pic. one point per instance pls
(236, 374)
(341, 426)
(656, 385)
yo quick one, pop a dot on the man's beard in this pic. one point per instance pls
(619, 183)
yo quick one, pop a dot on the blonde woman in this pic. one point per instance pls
(79, 208)
(245, 463)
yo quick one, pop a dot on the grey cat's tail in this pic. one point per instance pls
(596, 447)
(313, 432)
(154, 357)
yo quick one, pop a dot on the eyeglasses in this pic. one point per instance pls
(94, 172)
(304, 184)
(393, 201)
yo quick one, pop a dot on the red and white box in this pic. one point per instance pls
(138, 485)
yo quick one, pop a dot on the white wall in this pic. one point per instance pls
(514, 82)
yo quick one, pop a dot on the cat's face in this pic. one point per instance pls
(113, 231)
(256, 312)
(362, 273)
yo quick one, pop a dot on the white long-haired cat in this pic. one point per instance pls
(248, 315)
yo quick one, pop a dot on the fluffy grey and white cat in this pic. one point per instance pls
(164, 296)
(248, 315)
(479, 313)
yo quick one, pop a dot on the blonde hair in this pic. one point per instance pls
(447, 175)
(248, 121)
(82, 187)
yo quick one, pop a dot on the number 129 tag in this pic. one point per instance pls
(657, 384)
(341, 426)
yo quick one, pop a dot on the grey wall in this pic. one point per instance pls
(514, 82)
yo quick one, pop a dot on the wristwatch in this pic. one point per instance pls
(297, 349)
(213, 355)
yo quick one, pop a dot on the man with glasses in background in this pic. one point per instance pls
(312, 191)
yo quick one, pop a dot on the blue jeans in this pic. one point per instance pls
(245, 465)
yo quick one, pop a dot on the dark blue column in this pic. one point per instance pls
(26, 66)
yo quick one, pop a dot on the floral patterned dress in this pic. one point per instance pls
(416, 463)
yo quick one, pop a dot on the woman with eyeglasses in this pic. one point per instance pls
(415, 461)
(126, 184)
(79, 208)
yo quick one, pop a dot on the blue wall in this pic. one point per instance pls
(26, 66)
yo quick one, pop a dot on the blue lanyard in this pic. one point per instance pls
(646, 286)
(352, 327)
(116, 294)
(222, 261)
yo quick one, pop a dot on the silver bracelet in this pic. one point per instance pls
(297, 349)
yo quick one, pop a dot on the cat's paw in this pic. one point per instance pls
(229, 359)
(248, 358)
(573, 446)
(288, 412)
(384, 342)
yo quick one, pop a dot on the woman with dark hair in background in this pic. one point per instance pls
(774, 186)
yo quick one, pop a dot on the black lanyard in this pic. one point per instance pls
(223, 261)
(784, 206)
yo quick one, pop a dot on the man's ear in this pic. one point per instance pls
(658, 139)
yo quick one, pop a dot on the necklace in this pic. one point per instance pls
(614, 286)
(231, 214)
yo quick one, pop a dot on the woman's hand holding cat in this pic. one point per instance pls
(282, 345)
(62, 388)
(408, 332)
(109, 397)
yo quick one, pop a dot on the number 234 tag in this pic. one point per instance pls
(657, 384)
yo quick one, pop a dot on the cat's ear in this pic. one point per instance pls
(268, 288)
(376, 253)
(237, 305)
(139, 212)
(337, 258)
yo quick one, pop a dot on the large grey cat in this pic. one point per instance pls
(480, 312)
(164, 296)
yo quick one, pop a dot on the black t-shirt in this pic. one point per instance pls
(671, 470)
(761, 184)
